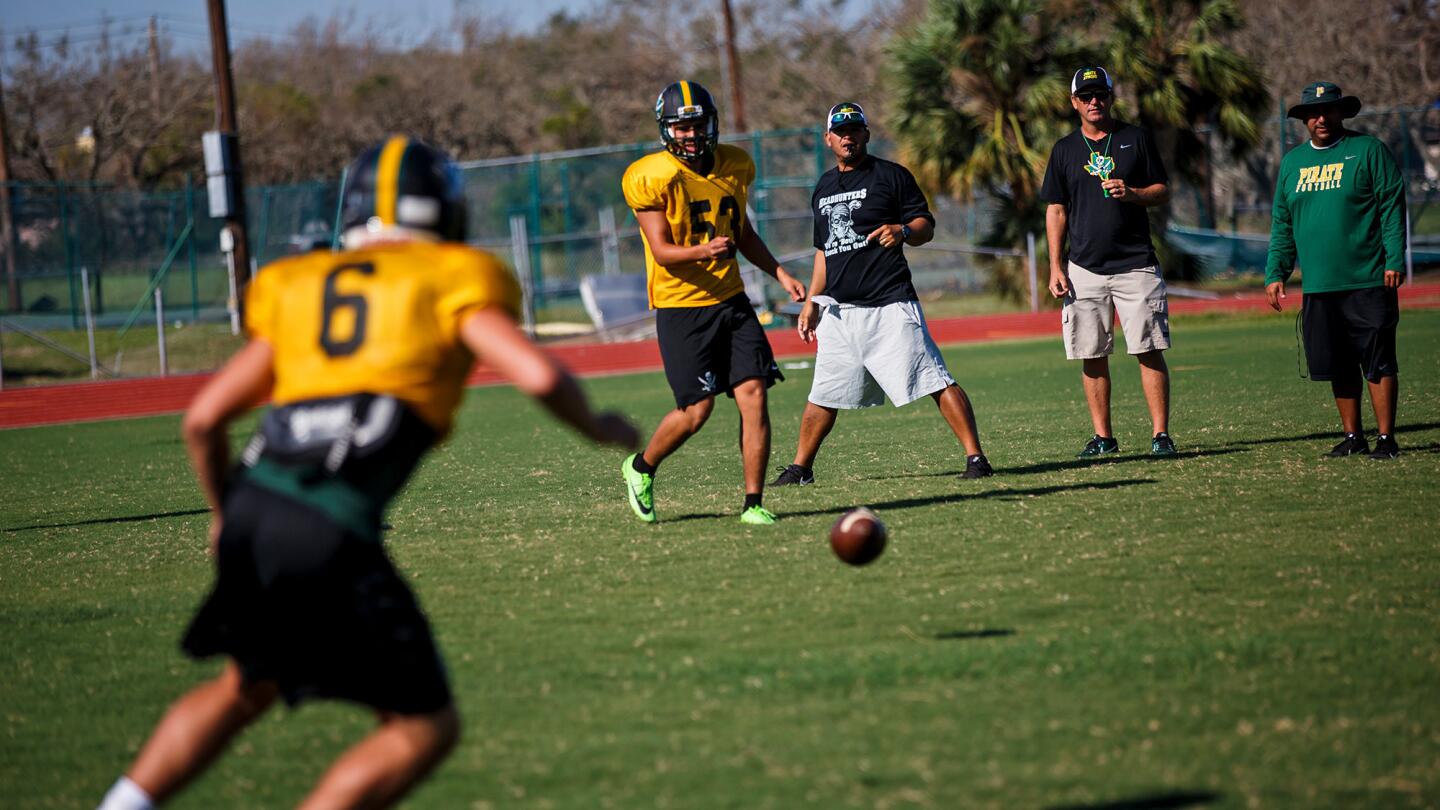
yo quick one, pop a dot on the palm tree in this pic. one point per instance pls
(1170, 57)
(981, 97)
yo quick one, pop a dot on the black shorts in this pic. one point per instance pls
(1350, 332)
(315, 608)
(709, 350)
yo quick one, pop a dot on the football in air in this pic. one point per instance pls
(858, 536)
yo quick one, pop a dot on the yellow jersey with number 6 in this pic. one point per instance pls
(698, 208)
(384, 320)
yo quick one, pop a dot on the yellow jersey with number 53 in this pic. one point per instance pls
(383, 319)
(698, 208)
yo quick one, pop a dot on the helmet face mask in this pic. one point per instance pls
(402, 188)
(687, 106)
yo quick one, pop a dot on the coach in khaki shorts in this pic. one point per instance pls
(1099, 182)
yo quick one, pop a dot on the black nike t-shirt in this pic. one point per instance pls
(1105, 235)
(849, 206)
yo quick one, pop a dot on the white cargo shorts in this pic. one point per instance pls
(869, 353)
(1088, 313)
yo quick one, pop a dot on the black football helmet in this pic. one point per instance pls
(406, 183)
(687, 102)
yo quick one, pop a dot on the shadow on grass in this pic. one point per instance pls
(1158, 801)
(1335, 435)
(98, 521)
(961, 635)
(1073, 464)
(955, 497)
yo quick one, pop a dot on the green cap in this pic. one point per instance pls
(1319, 94)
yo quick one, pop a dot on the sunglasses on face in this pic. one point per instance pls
(1097, 95)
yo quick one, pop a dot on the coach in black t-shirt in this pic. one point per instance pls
(862, 307)
(1099, 182)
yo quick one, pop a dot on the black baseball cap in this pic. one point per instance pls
(1318, 94)
(1090, 78)
(846, 112)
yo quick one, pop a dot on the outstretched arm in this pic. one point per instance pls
(754, 248)
(494, 337)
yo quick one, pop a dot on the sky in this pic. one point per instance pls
(402, 21)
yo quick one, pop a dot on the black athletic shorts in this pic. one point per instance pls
(301, 601)
(1351, 331)
(709, 350)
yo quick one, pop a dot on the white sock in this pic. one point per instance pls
(126, 795)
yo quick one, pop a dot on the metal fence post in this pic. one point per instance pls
(520, 255)
(160, 329)
(89, 321)
(609, 241)
(1034, 276)
(1409, 250)
(194, 265)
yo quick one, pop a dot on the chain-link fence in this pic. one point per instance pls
(1225, 223)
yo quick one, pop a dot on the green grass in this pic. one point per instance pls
(1245, 625)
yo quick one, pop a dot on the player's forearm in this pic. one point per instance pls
(817, 276)
(1056, 220)
(209, 449)
(922, 230)
(669, 254)
(753, 248)
(567, 402)
(1151, 196)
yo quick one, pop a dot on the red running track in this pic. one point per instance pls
(120, 399)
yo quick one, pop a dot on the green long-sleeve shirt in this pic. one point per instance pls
(1341, 210)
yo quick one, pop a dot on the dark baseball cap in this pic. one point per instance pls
(846, 112)
(1319, 94)
(1090, 78)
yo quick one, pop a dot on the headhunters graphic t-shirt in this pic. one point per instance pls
(1104, 234)
(848, 206)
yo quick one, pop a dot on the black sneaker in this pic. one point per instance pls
(1353, 444)
(794, 474)
(977, 467)
(1099, 446)
(1162, 445)
(1385, 447)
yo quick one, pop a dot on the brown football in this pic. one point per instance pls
(858, 536)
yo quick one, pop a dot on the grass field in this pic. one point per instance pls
(1247, 625)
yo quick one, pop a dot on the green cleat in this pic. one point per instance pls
(758, 516)
(641, 489)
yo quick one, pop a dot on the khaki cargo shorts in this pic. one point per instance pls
(1088, 314)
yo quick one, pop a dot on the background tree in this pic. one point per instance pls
(1172, 64)
(981, 97)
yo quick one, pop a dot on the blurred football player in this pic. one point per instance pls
(690, 202)
(364, 353)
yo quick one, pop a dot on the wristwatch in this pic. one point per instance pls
(904, 233)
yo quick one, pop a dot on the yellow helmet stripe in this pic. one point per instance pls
(387, 178)
(685, 94)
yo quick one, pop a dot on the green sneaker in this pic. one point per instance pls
(758, 516)
(641, 489)
(1099, 446)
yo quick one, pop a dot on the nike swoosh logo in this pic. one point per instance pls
(1126, 145)
(1349, 157)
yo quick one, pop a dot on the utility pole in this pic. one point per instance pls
(732, 71)
(226, 123)
(7, 224)
(154, 69)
